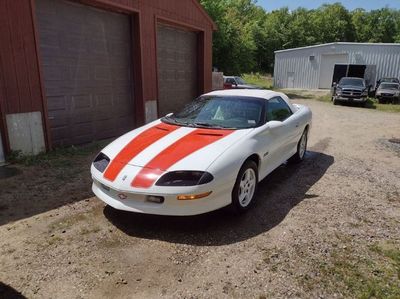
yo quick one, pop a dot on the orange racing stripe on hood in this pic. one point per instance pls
(185, 146)
(136, 146)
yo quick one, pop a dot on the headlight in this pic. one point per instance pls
(365, 92)
(185, 178)
(338, 90)
(101, 162)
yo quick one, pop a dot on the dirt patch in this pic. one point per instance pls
(329, 227)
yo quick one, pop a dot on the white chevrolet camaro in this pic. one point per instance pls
(210, 155)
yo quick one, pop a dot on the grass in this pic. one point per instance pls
(373, 104)
(373, 275)
(264, 81)
(59, 157)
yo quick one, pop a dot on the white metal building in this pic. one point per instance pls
(319, 66)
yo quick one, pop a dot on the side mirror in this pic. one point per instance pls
(274, 124)
(169, 114)
(334, 84)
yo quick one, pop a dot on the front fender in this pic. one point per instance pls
(226, 167)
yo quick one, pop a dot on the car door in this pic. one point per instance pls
(279, 134)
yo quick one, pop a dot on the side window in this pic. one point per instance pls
(277, 109)
(230, 81)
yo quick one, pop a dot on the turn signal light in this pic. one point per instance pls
(193, 196)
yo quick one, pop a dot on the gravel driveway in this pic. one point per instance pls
(329, 227)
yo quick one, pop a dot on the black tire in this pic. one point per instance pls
(335, 102)
(238, 206)
(300, 153)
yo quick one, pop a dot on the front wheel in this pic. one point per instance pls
(301, 148)
(245, 188)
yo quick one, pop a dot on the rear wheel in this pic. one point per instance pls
(301, 148)
(245, 188)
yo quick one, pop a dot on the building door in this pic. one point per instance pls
(177, 68)
(87, 71)
(290, 83)
(328, 62)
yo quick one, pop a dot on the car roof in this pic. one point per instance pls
(352, 78)
(255, 93)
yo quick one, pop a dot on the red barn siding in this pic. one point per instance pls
(20, 83)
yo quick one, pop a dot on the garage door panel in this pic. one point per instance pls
(86, 62)
(81, 101)
(103, 113)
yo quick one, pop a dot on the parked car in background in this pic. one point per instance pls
(211, 154)
(350, 89)
(234, 82)
(388, 93)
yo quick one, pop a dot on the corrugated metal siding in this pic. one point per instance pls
(385, 57)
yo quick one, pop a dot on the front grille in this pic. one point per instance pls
(387, 94)
(351, 93)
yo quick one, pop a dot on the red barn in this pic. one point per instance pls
(76, 71)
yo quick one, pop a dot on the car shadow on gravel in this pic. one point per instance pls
(9, 293)
(282, 190)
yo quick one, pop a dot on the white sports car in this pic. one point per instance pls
(210, 155)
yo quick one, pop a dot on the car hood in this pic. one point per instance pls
(393, 91)
(169, 147)
(355, 87)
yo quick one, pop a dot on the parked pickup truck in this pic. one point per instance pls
(350, 89)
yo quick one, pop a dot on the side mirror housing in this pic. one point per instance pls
(274, 124)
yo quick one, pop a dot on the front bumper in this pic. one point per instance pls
(137, 202)
(350, 99)
(387, 97)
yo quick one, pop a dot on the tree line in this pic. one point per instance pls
(248, 35)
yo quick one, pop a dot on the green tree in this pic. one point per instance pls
(247, 35)
(333, 23)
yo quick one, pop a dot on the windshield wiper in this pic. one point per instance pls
(176, 122)
(207, 125)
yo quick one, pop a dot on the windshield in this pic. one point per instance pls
(389, 86)
(240, 81)
(220, 112)
(394, 80)
(352, 81)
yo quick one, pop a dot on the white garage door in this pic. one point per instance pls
(328, 62)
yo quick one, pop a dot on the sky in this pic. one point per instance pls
(310, 4)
